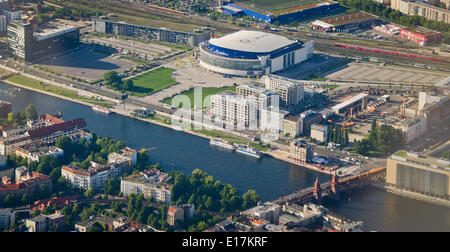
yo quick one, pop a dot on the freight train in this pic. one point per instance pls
(390, 53)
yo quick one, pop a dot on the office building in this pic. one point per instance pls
(232, 108)
(30, 45)
(146, 33)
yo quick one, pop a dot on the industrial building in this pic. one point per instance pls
(421, 36)
(29, 43)
(193, 38)
(251, 53)
(345, 23)
(291, 13)
(352, 105)
(417, 175)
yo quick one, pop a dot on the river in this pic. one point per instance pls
(269, 177)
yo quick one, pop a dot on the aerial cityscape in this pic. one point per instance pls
(216, 116)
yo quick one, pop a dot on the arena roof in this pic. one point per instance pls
(252, 41)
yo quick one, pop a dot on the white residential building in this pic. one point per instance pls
(290, 91)
(232, 108)
(151, 183)
(95, 177)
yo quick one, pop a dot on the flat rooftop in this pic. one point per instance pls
(252, 41)
(280, 7)
(348, 18)
(420, 159)
(422, 31)
(50, 32)
(350, 101)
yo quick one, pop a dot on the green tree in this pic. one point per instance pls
(128, 84)
(31, 112)
(113, 79)
(89, 193)
(250, 199)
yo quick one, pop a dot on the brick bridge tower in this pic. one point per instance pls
(317, 190)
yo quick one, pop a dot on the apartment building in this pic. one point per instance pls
(290, 91)
(25, 181)
(266, 211)
(301, 152)
(262, 96)
(233, 109)
(7, 217)
(42, 223)
(291, 126)
(95, 177)
(152, 183)
(428, 11)
(126, 160)
(25, 135)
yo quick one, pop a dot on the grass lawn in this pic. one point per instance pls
(25, 81)
(205, 92)
(152, 81)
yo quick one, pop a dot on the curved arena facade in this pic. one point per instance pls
(252, 53)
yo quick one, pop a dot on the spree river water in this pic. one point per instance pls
(269, 177)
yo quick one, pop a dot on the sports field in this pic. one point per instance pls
(271, 5)
(206, 91)
(152, 81)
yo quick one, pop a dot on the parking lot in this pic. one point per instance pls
(87, 64)
(148, 51)
(378, 73)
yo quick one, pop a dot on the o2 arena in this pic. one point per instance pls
(245, 53)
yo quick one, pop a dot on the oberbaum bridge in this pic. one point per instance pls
(332, 188)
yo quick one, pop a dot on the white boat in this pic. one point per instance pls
(253, 152)
(223, 144)
(101, 110)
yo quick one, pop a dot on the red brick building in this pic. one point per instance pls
(421, 36)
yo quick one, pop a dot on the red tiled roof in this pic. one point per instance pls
(65, 126)
(51, 119)
(292, 118)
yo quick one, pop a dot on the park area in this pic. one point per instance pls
(152, 81)
(206, 93)
(60, 91)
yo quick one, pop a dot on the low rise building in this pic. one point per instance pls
(266, 211)
(152, 183)
(421, 36)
